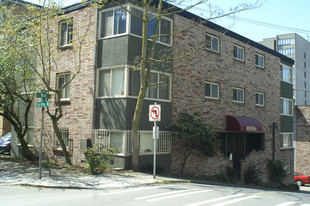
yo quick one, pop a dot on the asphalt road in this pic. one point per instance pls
(186, 194)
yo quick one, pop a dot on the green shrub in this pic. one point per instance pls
(252, 174)
(222, 177)
(99, 160)
(277, 172)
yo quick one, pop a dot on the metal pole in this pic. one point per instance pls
(41, 137)
(154, 161)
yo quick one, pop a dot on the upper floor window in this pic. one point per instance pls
(282, 42)
(62, 83)
(259, 60)
(111, 82)
(286, 107)
(289, 51)
(65, 34)
(117, 21)
(212, 43)
(211, 90)
(159, 87)
(259, 97)
(238, 95)
(238, 52)
(286, 74)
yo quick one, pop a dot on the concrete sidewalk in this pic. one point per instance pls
(14, 173)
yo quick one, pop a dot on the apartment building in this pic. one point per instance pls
(234, 82)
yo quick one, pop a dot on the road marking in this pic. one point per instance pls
(178, 195)
(215, 200)
(161, 194)
(137, 189)
(235, 200)
(305, 205)
(286, 204)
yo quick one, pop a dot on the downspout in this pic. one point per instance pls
(274, 127)
(94, 80)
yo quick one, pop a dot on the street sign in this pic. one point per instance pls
(42, 104)
(154, 113)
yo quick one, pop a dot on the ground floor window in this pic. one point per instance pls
(64, 133)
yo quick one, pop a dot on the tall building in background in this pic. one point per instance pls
(297, 48)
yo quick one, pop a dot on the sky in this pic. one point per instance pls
(273, 17)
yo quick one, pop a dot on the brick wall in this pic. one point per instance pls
(190, 74)
(303, 139)
(77, 113)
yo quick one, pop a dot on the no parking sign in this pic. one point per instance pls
(154, 113)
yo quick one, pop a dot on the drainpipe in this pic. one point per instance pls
(274, 127)
(94, 81)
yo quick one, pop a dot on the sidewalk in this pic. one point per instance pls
(13, 173)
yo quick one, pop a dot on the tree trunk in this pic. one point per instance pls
(185, 159)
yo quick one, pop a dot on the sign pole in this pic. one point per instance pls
(154, 157)
(41, 137)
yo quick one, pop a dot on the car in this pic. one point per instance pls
(5, 143)
(300, 179)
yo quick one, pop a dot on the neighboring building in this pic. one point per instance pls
(303, 139)
(297, 48)
(234, 82)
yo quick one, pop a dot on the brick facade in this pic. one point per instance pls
(303, 139)
(192, 71)
(77, 113)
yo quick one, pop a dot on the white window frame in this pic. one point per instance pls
(67, 34)
(61, 130)
(66, 88)
(285, 76)
(238, 89)
(212, 37)
(260, 60)
(256, 102)
(111, 83)
(157, 87)
(128, 24)
(289, 142)
(238, 49)
(211, 90)
(285, 107)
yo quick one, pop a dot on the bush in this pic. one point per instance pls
(222, 177)
(277, 172)
(99, 160)
(252, 174)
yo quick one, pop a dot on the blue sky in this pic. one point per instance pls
(284, 13)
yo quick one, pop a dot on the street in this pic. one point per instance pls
(187, 194)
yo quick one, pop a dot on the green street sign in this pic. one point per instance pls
(42, 104)
(43, 95)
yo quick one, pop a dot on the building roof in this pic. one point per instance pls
(208, 24)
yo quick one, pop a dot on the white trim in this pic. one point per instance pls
(218, 90)
(260, 105)
(235, 45)
(260, 55)
(290, 100)
(240, 89)
(218, 40)
(281, 140)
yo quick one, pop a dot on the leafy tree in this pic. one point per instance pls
(17, 82)
(193, 133)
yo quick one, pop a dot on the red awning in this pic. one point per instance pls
(243, 124)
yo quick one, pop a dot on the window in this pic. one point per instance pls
(238, 52)
(259, 60)
(305, 55)
(286, 74)
(111, 82)
(305, 65)
(238, 95)
(66, 30)
(286, 107)
(286, 140)
(289, 51)
(64, 133)
(211, 90)
(62, 83)
(115, 21)
(282, 42)
(212, 43)
(259, 99)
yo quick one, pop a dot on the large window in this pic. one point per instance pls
(286, 74)
(238, 95)
(259, 99)
(111, 82)
(65, 34)
(289, 51)
(282, 42)
(286, 107)
(212, 43)
(211, 90)
(62, 83)
(117, 21)
(286, 140)
(238, 52)
(259, 60)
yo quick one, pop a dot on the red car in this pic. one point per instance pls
(299, 179)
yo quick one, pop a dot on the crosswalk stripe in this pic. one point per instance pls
(286, 204)
(215, 200)
(178, 195)
(136, 189)
(161, 194)
(235, 200)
